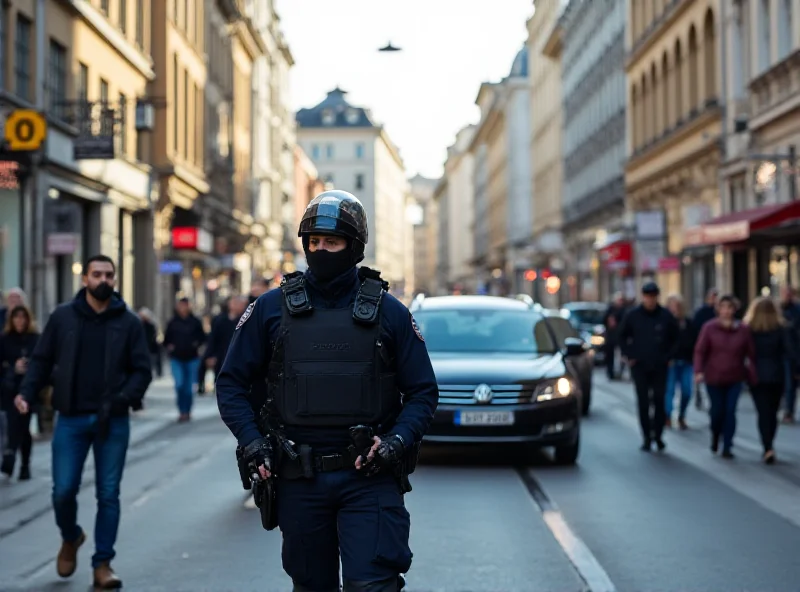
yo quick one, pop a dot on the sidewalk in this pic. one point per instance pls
(21, 502)
(746, 440)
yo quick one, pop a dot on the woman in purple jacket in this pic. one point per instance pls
(724, 358)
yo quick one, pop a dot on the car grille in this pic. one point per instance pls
(502, 394)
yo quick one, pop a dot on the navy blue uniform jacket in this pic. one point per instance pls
(251, 348)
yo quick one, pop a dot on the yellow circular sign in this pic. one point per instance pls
(25, 130)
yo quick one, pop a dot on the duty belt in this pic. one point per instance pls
(307, 463)
(331, 462)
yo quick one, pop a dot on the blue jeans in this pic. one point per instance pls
(343, 514)
(680, 373)
(790, 394)
(185, 373)
(72, 439)
(723, 411)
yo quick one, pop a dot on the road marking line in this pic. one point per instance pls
(582, 559)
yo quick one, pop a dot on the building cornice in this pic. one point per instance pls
(114, 37)
(250, 38)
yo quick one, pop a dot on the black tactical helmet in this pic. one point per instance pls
(339, 213)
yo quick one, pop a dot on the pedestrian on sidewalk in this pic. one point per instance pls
(681, 371)
(791, 314)
(17, 343)
(222, 330)
(773, 349)
(611, 320)
(151, 334)
(724, 359)
(648, 337)
(95, 349)
(182, 340)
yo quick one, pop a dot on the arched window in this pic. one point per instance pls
(694, 71)
(677, 73)
(784, 28)
(645, 119)
(635, 125)
(655, 101)
(764, 26)
(710, 55)
(666, 87)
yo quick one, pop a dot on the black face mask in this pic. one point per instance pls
(326, 265)
(102, 291)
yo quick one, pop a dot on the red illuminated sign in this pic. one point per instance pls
(185, 237)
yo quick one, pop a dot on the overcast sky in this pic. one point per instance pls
(424, 94)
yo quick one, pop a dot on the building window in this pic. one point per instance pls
(360, 150)
(140, 23)
(82, 86)
(22, 58)
(186, 117)
(106, 114)
(57, 78)
(175, 107)
(764, 36)
(104, 7)
(123, 16)
(123, 124)
(314, 152)
(329, 151)
(328, 117)
(359, 181)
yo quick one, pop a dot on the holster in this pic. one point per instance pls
(265, 497)
(301, 467)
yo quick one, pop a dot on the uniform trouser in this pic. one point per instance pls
(343, 513)
(651, 387)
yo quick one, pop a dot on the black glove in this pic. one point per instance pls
(259, 452)
(388, 454)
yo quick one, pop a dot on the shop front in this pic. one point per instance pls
(758, 248)
(11, 267)
(616, 267)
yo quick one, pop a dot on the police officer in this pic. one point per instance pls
(336, 351)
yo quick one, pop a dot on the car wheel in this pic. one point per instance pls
(568, 453)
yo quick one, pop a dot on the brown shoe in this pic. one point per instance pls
(68, 556)
(105, 578)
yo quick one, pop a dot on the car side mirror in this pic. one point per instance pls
(573, 347)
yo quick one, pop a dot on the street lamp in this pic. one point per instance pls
(390, 47)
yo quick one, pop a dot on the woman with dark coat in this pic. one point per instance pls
(16, 346)
(774, 348)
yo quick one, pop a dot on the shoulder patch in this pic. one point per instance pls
(246, 315)
(415, 326)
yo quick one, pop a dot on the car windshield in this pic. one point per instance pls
(587, 316)
(485, 331)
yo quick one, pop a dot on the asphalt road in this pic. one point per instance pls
(483, 520)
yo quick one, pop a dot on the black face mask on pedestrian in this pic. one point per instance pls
(102, 291)
(327, 265)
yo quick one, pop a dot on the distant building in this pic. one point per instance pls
(425, 233)
(307, 185)
(355, 153)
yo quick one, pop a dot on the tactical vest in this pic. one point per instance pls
(330, 367)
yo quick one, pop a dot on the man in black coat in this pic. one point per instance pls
(95, 349)
(648, 338)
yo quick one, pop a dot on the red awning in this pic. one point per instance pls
(617, 255)
(738, 226)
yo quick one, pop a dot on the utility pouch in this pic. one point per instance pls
(299, 467)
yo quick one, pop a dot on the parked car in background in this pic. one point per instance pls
(503, 376)
(580, 366)
(587, 318)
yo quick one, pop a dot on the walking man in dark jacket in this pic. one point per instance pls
(182, 340)
(648, 338)
(222, 332)
(96, 351)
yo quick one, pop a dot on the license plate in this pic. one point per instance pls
(483, 418)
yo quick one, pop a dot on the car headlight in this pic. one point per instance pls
(597, 340)
(556, 389)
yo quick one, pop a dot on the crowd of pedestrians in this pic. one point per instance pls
(722, 349)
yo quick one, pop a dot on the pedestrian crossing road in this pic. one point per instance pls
(483, 519)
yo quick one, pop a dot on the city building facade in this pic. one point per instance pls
(83, 66)
(425, 233)
(756, 239)
(355, 153)
(307, 185)
(674, 127)
(546, 168)
(594, 147)
(458, 210)
(274, 140)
